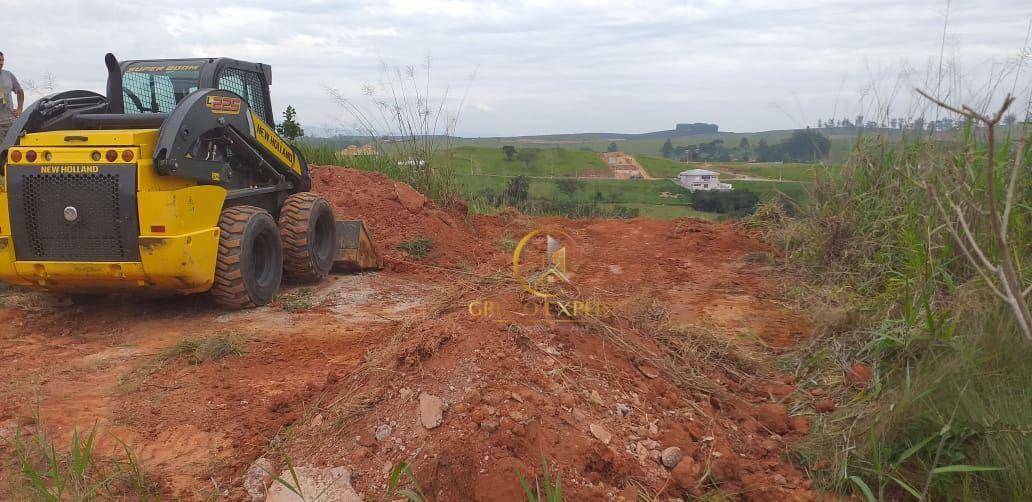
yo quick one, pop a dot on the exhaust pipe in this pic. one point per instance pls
(116, 101)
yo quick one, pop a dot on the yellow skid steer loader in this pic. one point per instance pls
(173, 182)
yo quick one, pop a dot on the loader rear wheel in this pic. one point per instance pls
(250, 260)
(309, 237)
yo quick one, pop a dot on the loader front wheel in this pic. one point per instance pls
(250, 260)
(309, 235)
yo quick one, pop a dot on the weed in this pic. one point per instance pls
(414, 494)
(201, 350)
(947, 413)
(417, 248)
(298, 301)
(506, 244)
(78, 475)
(553, 488)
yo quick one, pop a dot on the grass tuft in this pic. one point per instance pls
(418, 248)
(202, 350)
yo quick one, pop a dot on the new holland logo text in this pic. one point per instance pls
(262, 131)
(76, 169)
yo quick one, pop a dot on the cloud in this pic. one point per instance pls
(547, 67)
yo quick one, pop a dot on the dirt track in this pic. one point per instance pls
(316, 382)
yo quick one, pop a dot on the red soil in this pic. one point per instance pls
(518, 388)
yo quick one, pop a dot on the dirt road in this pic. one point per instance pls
(340, 374)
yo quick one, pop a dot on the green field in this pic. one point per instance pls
(548, 162)
(787, 171)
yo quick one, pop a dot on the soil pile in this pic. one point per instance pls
(395, 214)
(671, 391)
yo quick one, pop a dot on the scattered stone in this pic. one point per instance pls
(653, 429)
(825, 406)
(597, 398)
(800, 425)
(685, 473)
(383, 431)
(334, 483)
(317, 420)
(489, 425)
(623, 409)
(671, 456)
(431, 410)
(779, 480)
(405, 393)
(516, 416)
(600, 433)
(257, 478)
(579, 415)
(411, 199)
(858, 375)
(648, 371)
(774, 417)
(615, 269)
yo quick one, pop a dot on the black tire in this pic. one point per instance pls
(309, 235)
(250, 262)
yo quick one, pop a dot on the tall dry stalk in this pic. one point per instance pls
(955, 204)
(411, 124)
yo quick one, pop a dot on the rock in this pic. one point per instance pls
(597, 398)
(800, 425)
(489, 425)
(333, 483)
(405, 393)
(600, 433)
(579, 415)
(383, 431)
(825, 406)
(648, 371)
(779, 480)
(409, 197)
(671, 456)
(431, 410)
(653, 429)
(623, 409)
(685, 473)
(257, 478)
(774, 417)
(858, 375)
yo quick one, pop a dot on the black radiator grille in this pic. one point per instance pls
(77, 216)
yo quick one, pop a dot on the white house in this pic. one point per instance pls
(701, 179)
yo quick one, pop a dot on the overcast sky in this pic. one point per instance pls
(563, 66)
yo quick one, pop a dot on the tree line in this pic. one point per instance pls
(804, 145)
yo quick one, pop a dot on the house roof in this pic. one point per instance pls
(698, 172)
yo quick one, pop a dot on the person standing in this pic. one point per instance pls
(9, 112)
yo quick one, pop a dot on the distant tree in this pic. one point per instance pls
(919, 124)
(527, 156)
(1010, 119)
(613, 147)
(744, 144)
(509, 151)
(763, 151)
(859, 121)
(517, 190)
(820, 124)
(805, 145)
(568, 186)
(289, 128)
(871, 124)
(892, 123)
(667, 150)
(598, 196)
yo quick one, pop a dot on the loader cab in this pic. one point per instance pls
(157, 86)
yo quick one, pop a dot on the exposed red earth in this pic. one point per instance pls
(677, 392)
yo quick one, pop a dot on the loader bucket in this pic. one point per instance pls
(355, 250)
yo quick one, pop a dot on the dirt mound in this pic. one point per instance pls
(674, 392)
(396, 214)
